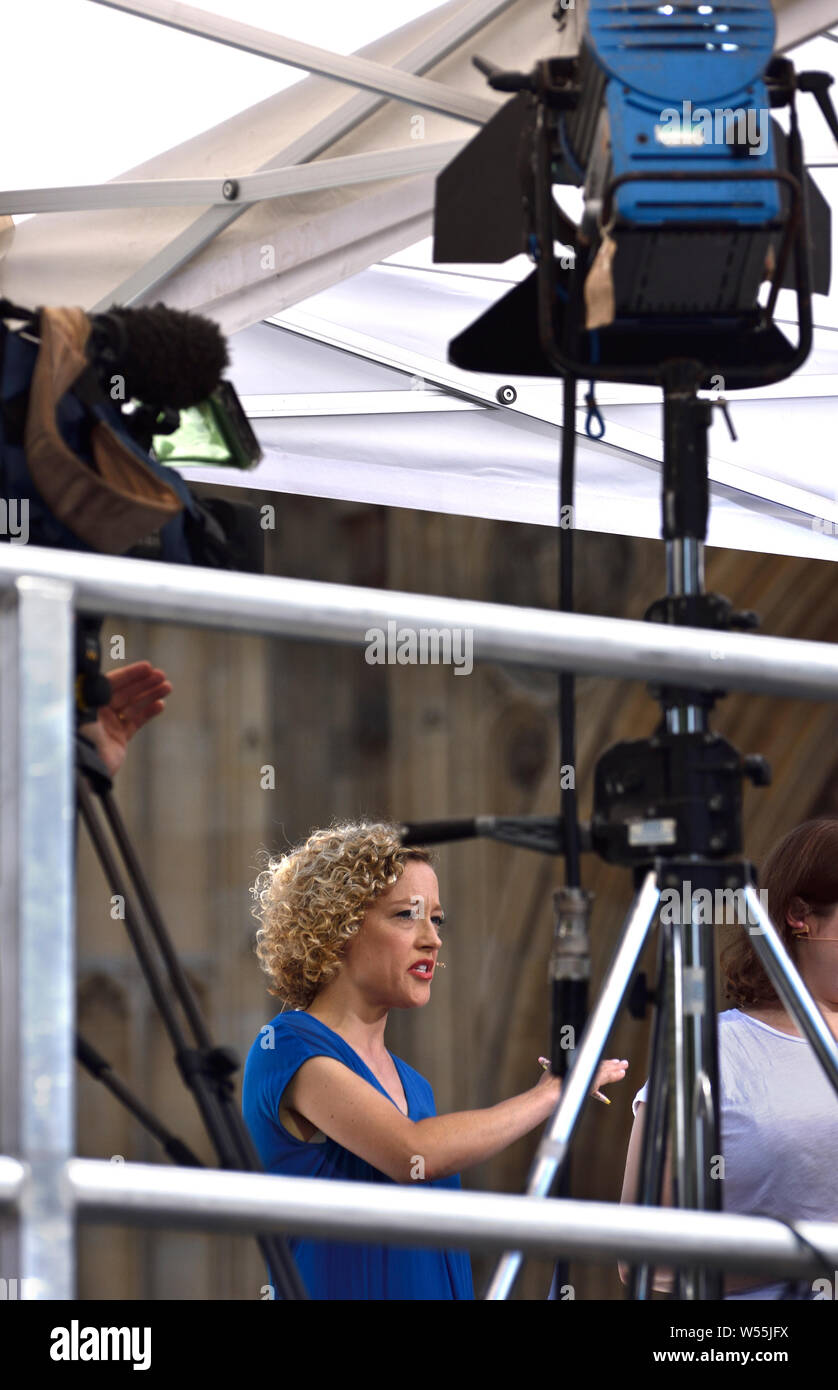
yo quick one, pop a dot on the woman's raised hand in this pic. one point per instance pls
(607, 1073)
(138, 693)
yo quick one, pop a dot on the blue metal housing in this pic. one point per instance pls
(684, 86)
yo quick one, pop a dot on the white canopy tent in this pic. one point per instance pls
(339, 321)
(337, 315)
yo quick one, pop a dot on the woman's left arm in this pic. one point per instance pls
(631, 1182)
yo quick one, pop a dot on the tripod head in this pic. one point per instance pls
(678, 792)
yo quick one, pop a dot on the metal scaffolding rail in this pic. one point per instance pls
(309, 609)
(144, 1194)
(43, 1186)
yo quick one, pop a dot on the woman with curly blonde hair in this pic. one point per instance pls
(351, 928)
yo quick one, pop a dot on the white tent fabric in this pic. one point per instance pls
(482, 459)
(317, 239)
(281, 251)
(345, 333)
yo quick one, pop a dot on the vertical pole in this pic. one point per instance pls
(685, 504)
(701, 1083)
(658, 1107)
(37, 949)
(685, 501)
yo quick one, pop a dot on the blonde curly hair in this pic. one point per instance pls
(312, 900)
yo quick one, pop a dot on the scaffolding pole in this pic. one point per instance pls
(42, 1186)
(37, 936)
(147, 1195)
(309, 609)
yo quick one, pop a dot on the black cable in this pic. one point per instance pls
(567, 679)
(567, 995)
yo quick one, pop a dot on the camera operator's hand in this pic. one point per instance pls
(138, 694)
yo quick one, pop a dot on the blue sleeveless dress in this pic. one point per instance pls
(342, 1269)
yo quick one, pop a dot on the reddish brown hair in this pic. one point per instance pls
(803, 865)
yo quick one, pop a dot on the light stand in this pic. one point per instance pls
(669, 807)
(673, 291)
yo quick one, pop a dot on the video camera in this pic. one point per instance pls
(81, 401)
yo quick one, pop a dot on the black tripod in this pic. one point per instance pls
(670, 808)
(205, 1068)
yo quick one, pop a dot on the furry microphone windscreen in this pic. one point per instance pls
(168, 357)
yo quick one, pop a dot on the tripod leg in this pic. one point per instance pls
(682, 1185)
(211, 1090)
(788, 983)
(696, 1135)
(239, 1151)
(653, 1154)
(153, 916)
(577, 1085)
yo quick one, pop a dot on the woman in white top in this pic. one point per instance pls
(779, 1114)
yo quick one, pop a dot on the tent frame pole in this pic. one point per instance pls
(356, 72)
(346, 118)
(251, 188)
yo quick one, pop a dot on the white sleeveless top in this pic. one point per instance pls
(779, 1124)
